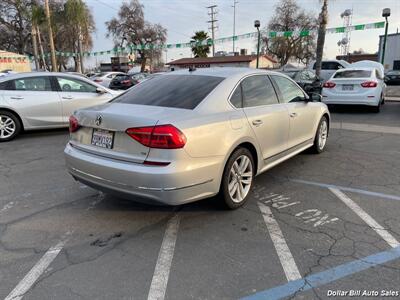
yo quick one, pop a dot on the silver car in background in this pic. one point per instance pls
(189, 135)
(41, 100)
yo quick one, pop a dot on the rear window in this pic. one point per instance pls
(121, 77)
(177, 91)
(353, 74)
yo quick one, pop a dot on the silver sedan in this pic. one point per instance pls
(190, 135)
(41, 100)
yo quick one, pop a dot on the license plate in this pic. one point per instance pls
(347, 87)
(103, 138)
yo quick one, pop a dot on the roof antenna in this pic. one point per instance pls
(192, 68)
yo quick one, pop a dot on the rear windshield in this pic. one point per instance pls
(177, 91)
(393, 73)
(353, 74)
(121, 77)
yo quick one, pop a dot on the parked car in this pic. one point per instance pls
(42, 100)
(185, 136)
(329, 67)
(124, 81)
(360, 86)
(392, 77)
(306, 79)
(105, 78)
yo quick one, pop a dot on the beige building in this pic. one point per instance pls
(15, 62)
(246, 61)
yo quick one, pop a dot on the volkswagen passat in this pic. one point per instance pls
(189, 135)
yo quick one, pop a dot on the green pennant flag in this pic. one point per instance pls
(288, 33)
(359, 27)
(379, 24)
(305, 33)
(272, 34)
(340, 29)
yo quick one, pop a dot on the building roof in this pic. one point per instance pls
(218, 59)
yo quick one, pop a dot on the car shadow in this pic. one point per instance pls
(42, 133)
(351, 109)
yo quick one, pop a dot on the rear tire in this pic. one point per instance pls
(376, 109)
(237, 179)
(321, 137)
(10, 126)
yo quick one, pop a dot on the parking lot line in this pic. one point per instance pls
(159, 282)
(281, 247)
(348, 189)
(324, 277)
(390, 239)
(38, 269)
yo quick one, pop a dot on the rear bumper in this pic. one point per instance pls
(172, 185)
(372, 100)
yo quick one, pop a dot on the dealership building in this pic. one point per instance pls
(392, 51)
(249, 61)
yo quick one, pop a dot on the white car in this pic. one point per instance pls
(42, 100)
(328, 68)
(356, 86)
(105, 78)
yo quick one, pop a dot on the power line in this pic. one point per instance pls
(212, 13)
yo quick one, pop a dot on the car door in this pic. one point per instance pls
(302, 113)
(76, 94)
(35, 100)
(266, 116)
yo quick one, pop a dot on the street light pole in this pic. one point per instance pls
(386, 14)
(257, 25)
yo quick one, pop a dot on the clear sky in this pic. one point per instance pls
(182, 17)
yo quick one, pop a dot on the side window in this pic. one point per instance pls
(236, 98)
(311, 75)
(75, 85)
(6, 86)
(37, 84)
(258, 90)
(290, 92)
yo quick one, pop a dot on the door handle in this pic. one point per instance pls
(68, 97)
(17, 97)
(257, 122)
(293, 115)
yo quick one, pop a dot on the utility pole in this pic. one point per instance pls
(234, 25)
(212, 13)
(52, 49)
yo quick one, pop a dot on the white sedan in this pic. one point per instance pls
(42, 100)
(105, 78)
(355, 86)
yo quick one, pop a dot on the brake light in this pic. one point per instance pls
(329, 85)
(159, 136)
(73, 124)
(369, 84)
(98, 80)
(125, 81)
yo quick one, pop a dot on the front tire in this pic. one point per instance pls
(10, 126)
(237, 179)
(321, 137)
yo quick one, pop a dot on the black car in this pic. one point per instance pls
(308, 81)
(125, 81)
(392, 77)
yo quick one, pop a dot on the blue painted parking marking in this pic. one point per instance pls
(324, 277)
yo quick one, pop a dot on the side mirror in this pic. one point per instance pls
(316, 97)
(99, 90)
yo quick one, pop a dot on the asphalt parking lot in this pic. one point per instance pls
(316, 225)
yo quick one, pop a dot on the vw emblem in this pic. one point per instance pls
(98, 120)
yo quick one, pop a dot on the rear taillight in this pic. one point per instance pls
(125, 81)
(160, 136)
(329, 85)
(73, 124)
(369, 84)
(98, 80)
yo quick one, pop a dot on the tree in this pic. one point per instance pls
(290, 17)
(15, 25)
(323, 20)
(131, 27)
(51, 40)
(198, 49)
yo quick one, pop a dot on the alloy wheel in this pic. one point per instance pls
(7, 127)
(323, 134)
(240, 178)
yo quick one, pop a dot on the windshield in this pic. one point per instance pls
(177, 91)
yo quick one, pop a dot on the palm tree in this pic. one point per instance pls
(78, 19)
(323, 20)
(198, 49)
